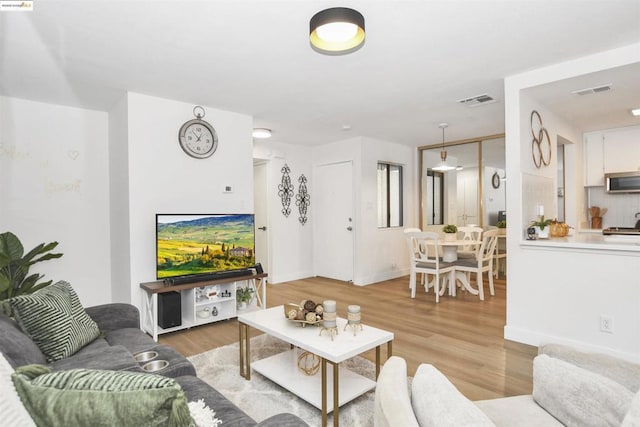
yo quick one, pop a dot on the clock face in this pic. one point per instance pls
(198, 139)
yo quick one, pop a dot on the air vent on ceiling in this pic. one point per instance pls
(477, 100)
(591, 90)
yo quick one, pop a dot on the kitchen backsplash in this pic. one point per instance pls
(621, 208)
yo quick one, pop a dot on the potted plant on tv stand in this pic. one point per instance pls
(450, 232)
(244, 295)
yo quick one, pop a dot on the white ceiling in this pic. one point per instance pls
(253, 57)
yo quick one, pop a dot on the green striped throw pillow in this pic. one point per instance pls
(55, 320)
(86, 397)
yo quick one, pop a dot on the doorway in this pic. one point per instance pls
(333, 221)
(260, 206)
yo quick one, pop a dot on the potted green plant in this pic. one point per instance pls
(15, 264)
(450, 231)
(542, 227)
(244, 295)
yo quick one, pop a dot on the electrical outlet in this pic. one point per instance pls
(606, 323)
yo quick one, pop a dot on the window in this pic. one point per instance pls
(389, 195)
(434, 211)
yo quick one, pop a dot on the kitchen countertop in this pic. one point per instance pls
(588, 241)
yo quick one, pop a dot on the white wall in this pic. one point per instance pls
(119, 201)
(55, 187)
(380, 254)
(290, 243)
(163, 179)
(559, 294)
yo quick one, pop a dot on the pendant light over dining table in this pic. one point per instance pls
(336, 31)
(443, 166)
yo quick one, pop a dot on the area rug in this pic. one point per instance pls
(261, 398)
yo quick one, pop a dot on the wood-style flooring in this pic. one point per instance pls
(461, 336)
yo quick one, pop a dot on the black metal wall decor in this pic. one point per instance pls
(303, 199)
(285, 190)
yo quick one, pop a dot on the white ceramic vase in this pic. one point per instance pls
(543, 234)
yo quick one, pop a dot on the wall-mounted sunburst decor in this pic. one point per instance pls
(285, 190)
(303, 199)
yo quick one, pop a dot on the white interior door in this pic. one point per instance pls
(333, 219)
(467, 201)
(261, 218)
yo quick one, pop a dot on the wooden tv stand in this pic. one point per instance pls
(191, 304)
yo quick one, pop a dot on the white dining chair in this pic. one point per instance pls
(500, 254)
(416, 230)
(473, 235)
(482, 263)
(422, 260)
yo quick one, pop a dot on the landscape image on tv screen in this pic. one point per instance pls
(202, 244)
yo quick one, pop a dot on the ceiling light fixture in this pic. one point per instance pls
(443, 166)
(261, 133)
(336, 31)
(635, 112)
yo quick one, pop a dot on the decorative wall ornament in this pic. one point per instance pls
(285, 190)
(303, 199)
(541, 143)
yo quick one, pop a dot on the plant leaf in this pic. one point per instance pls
(10, 246)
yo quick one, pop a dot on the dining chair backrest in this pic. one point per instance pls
(472, 234)
(412, 230)
(420, 251)
(488, 246)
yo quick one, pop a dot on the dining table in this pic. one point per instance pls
(450, 254)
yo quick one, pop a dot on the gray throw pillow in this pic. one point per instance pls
(55, 320)
(576, 396)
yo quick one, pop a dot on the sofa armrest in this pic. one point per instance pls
(110, 317)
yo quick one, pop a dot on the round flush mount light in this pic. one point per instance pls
(261, 133)
(336, 31)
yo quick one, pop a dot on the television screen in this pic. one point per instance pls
(188, 245)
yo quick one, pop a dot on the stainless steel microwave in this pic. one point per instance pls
(622, 182)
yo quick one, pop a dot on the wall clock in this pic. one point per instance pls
(197, 137)
(495, 180)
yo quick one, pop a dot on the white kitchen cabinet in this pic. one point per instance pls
(593, 159)
(622, 150)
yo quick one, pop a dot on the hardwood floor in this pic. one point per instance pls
(461, 336)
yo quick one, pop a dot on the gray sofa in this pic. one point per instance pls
(115, 350)
(570, 387)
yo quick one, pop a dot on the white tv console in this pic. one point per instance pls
(192, 302)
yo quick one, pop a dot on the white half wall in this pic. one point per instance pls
(559, 294)
(55, 187)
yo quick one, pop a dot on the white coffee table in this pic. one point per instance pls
(283, 369)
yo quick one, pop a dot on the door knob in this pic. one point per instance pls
(263, 228)
(349, 228)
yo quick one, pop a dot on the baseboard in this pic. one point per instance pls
(380, 277)
(288, 277)
(536, 339)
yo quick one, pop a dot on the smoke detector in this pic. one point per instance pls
(477, 100)
(592, 90)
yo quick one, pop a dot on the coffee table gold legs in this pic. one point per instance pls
(389, 354)
(336, 387)
(245, 351)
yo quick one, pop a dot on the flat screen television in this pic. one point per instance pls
(197, 245)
